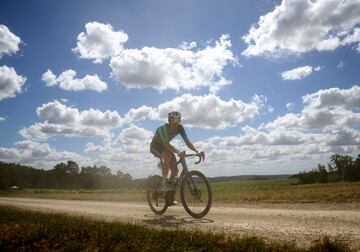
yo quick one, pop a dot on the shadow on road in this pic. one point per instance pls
(172, 220)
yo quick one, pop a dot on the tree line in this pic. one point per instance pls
(64, 176)
(340, 168)
(70, 176)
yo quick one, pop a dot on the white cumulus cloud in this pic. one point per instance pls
(332, 97)
(332, 107)
(141, 113)
(133, 134)
(135, 139)
(99, 42)
(283, 149)
(10, 82)
(9, 42)
(174, 68)
(299, 26)
(299, 72)
(209, 111)
(252, 151)
(130, 149)
(290, 105)
(344, 136)
(67, 80)
(39, 155)
(60, 119)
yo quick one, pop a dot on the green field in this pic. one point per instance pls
(232, 191)
(22, 230)
(285, 191)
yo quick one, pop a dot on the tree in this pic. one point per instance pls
(104, 171)
(127, 176)
(342, 165)
(60, 168)
(119, 174)
(57, 176)
(72, 167)
(357, 168)
(62, 176)
(323, 174)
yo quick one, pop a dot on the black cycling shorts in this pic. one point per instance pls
(157, 149)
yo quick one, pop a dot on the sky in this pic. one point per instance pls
(264, 87)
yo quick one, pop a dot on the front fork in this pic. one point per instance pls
(189, 181)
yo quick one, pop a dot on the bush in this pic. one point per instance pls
(310, 177)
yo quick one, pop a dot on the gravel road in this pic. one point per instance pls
(302, 223)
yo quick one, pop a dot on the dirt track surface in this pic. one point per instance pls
(301, 223)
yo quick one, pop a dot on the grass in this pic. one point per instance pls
(233, 191)
(285, 191)
(22, 230)
(101, 195)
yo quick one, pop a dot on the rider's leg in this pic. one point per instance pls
(174, 173)
(174, 170)
(166, 157)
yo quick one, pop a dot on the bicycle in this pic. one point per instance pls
(195, 191)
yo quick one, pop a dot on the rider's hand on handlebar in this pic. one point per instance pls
(181, 154)
(202, 156)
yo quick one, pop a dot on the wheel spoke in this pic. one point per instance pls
(156, 200)
(196, 194)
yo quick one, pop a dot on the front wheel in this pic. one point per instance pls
(196, 194)
(156, 199)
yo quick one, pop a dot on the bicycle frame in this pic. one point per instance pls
(185, 171)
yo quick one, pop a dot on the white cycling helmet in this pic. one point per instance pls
(174, 114)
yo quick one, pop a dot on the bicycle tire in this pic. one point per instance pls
(154, 183)
(190, 178)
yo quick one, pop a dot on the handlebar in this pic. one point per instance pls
(194, 155)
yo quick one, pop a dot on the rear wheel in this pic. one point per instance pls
(156, 200)
(196, 194)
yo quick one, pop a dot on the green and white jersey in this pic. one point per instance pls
(163, 134)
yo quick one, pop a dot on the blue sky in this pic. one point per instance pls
(265, 87)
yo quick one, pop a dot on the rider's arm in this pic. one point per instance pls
(186, 139)
(191, 146)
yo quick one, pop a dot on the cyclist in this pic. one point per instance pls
(161, 148)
